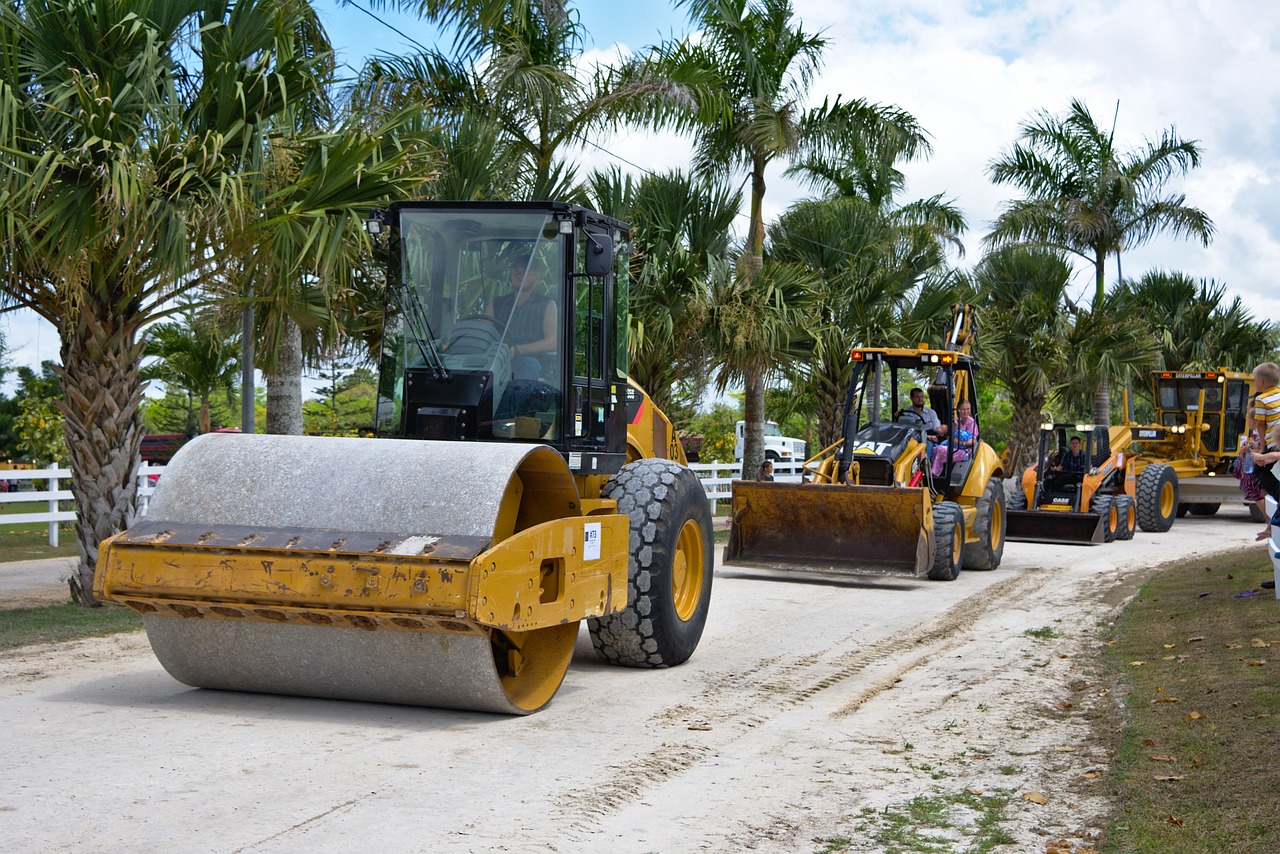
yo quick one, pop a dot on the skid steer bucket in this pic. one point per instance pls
(845, 530)
(1054, 526)
(426, 573)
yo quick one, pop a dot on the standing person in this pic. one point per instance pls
(766, 470)
(1266, 382)
(1245, 469)
(963, 439)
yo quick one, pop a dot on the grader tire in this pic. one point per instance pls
(988, 527)
(1255, 515)
(948, 538)
(1204, 509)
(670, 567)
(1157, 498)
(1183, 509)
(1014, 497)
(1127, 516)
(1104, 506)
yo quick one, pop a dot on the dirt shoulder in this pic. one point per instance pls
(814, 713)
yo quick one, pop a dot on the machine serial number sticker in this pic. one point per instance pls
(591, 541)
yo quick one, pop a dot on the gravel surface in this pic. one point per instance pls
(809, 701)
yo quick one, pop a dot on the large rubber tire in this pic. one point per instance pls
(670, 571)
(1183, 509)
(1104, 505)
(988, 527)
(1126, 516)
(948, 538)
(1014, 497)
(1204, 509)
(1255, 515)
(1157, 498)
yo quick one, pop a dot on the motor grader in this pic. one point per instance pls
(508, 496)
(871, 504)
(1200, 419)
(1098, 505)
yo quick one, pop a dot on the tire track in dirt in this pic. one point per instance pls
(743, 701)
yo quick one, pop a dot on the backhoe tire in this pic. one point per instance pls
(1204, 509)
(1104, 506)
(1014, 497)
(670, 567)
(988, 527)
(1157, 496)
(948, 539)
(1126, 516)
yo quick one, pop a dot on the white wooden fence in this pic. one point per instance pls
(25, 485)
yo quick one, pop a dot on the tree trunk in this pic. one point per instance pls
(205, 419)
(1102, 402)
(1028, 415)
(102, 424)
(284, 385)
(753, 423)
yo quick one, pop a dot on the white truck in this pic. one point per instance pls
(777, 447)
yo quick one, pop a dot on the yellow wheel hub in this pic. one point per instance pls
(686, 571)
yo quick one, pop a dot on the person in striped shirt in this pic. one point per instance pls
(1266, 382)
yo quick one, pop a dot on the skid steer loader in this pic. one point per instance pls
(871, 504)
(1052, 505)
(515, 489)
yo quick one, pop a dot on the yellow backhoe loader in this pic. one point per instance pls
(519, 484)
(1054, 504)
(872, 504)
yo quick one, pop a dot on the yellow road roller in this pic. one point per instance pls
(518, 484)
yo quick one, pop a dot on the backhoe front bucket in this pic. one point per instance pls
(844, 530)
(1054, 526)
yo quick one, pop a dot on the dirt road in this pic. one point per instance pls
(808, 703)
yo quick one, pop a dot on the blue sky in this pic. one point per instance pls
(971, 71)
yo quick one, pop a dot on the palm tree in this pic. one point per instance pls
(509, 102)
(739, 84)
(1195, 329)
(879, 283)
(755, 327)
(130, 150)
(1021, 297)
(1087, 197)
(195, 354)
(680, 240)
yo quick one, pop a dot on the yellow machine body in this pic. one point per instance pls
(868, 503)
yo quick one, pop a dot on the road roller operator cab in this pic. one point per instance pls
(506, 322)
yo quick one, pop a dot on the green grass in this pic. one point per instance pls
(1196, 766)
(57, 623)
(31, 541)
(939, 823)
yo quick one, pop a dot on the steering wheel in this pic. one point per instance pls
(910, 417)
(474, 334)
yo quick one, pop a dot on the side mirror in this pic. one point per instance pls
(599, 260)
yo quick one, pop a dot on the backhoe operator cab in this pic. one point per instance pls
(876, 457)
(501, 325)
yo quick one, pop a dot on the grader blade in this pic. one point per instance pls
(843, 530)
(415, 572)
(1054, 526)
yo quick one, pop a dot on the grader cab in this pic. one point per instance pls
(519, 485)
